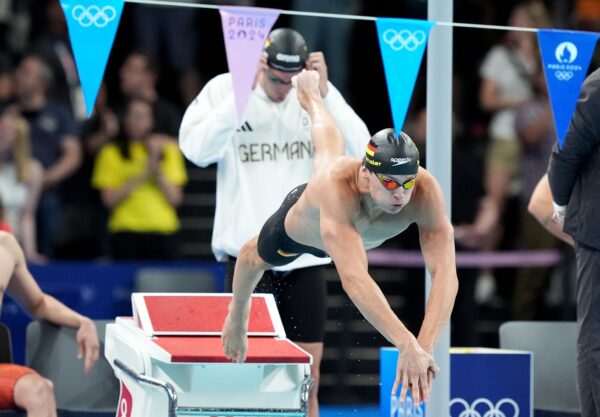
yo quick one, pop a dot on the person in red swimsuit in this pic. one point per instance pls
(20, 386)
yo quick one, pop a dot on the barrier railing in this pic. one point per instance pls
(489, 259)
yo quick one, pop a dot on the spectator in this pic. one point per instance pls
(536, 135)
(20, 180)
(507, 75)
(138, 77)
(54, 142)
(507, 82)
(84, 235)
(171, 32)
(140, 177)
(54, 46)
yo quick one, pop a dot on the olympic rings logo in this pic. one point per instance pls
(482, 403)
(563, 75)
(93, 15)
(405, 39)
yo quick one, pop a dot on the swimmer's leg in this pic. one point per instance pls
(249, 268)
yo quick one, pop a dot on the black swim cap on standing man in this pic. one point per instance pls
(389, 154)
(286, 50)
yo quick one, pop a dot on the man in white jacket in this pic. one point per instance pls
(259, 161)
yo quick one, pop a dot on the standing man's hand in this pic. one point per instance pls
(415, 370)
(89, 346)
(316, 61)
(559, 214)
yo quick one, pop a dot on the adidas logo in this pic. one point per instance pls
(245, 127)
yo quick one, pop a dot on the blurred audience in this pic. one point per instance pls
(15, 25)
(54, 142)
(535, 131)
(507, 82)
(20, 180)
(138, 76)
(331, 36)
(84, 234)
(140, 176)
(7, 84)
(171, 32)
(54, 46)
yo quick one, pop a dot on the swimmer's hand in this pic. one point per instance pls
(416, 370)
(307, 86)
(234, 335)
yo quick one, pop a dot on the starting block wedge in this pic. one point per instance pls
(169, 360)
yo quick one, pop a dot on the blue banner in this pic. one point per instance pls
(92, 28)
(491, 382)
(390, 405)
(402, 43)
(566, 57)
(483, 382)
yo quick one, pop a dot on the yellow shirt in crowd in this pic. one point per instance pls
(146, 209)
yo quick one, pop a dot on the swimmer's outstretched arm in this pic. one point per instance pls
(437, 245)
(326, 136)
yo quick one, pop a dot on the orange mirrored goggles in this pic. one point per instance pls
(390, 184)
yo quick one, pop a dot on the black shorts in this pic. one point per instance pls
(301, 297)
(275, 247)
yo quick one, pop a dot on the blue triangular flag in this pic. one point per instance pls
(402, 43)
(92, 27)
(566, 57)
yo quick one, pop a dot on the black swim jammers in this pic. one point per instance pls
(275, 247)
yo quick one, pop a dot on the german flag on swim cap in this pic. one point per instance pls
(371, 148)
(389, 154)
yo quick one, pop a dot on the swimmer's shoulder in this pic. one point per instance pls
(427, 195)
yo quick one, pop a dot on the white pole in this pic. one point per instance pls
(439, 163)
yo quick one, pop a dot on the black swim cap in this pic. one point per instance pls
(389, 154)
(286, 50)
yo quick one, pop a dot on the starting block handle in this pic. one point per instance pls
(170, 391)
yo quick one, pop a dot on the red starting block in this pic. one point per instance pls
(170, 361)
